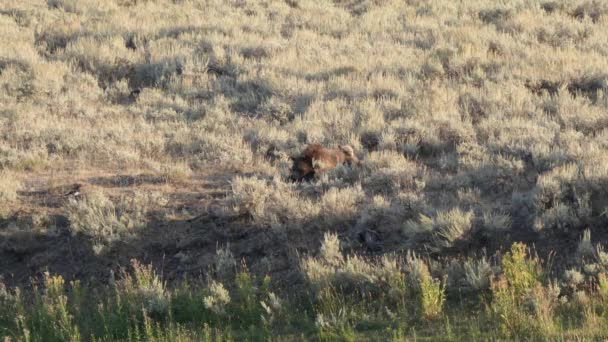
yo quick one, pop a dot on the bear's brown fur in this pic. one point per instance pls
(317, 159)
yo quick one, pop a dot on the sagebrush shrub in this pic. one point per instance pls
(452, 226)
(225, 264)
(106, 221)
(176, 173)
(143, 289)
(271, 203)
(217, 299)
(469, 276)
(338, 205)
(445, 230)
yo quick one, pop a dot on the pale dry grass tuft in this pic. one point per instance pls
(106, 221)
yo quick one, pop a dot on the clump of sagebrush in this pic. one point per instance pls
(568, 197)
(272, 203)
(471, 276)
(384, 217)
(217, 299)
(452, 226)
(585, 247)
(496, 222)
(225, 264)
(591, 262)
(444, 230)
(176, 173)
(143, 289)
(388, 172)
(107, 221)
(339, 205)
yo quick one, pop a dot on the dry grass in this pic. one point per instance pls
(478, 124)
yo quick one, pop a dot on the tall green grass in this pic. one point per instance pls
(399, 300)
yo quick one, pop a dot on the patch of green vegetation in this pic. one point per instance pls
(395, 304)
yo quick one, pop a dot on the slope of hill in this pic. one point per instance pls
(161, 131)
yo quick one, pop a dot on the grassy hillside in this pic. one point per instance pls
(160, 131)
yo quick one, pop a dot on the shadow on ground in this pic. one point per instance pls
(182, 239)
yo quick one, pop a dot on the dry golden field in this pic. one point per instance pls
(144, 170)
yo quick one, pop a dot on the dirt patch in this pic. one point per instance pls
(180, 238)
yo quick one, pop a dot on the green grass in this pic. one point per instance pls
(138, 306)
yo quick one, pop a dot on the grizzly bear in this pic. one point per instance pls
(317, 159)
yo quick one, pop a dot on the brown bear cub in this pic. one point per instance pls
(317, 159)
